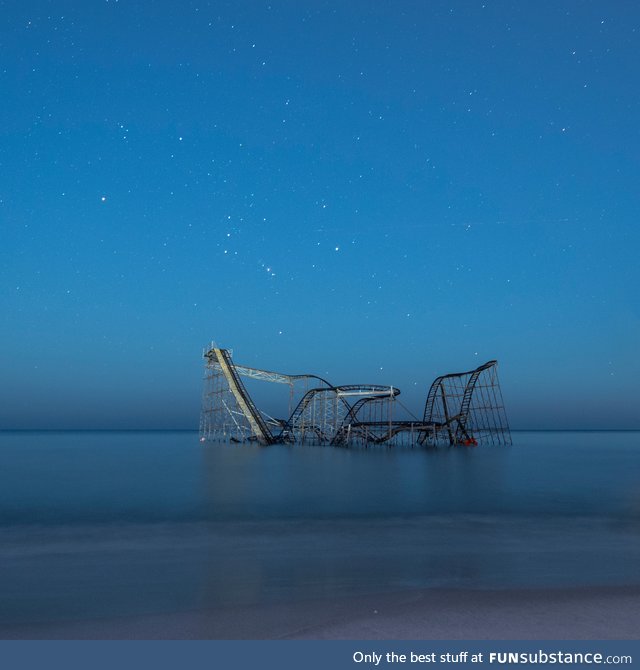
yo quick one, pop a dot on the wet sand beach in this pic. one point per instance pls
(553, 614)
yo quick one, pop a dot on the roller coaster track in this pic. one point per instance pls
(351, 420)
(287, 430)
(460, 418)
(466, 400)
(365, 430)
(341, 393)
(256, 373)
(250, 411)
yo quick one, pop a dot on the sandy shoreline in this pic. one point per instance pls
(579, 613)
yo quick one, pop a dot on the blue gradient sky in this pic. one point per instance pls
(371, 191)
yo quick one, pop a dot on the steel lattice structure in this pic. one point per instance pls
(463, 408)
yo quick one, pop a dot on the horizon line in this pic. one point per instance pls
(197, 430)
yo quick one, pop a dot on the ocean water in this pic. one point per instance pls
(106, 524)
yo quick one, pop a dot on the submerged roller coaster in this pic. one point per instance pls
(463, 408)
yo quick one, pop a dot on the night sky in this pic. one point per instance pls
(374, 191)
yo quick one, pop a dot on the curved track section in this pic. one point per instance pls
(465, 407)
(322, 412)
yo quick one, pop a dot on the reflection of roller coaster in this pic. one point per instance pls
(461, 408)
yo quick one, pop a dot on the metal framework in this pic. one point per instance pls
(463, 408)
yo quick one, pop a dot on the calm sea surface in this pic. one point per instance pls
(103, 524)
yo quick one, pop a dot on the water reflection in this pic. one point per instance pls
(116, 524)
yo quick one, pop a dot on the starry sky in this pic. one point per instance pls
(373, 191)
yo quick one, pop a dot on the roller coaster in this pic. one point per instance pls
(462, 408)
